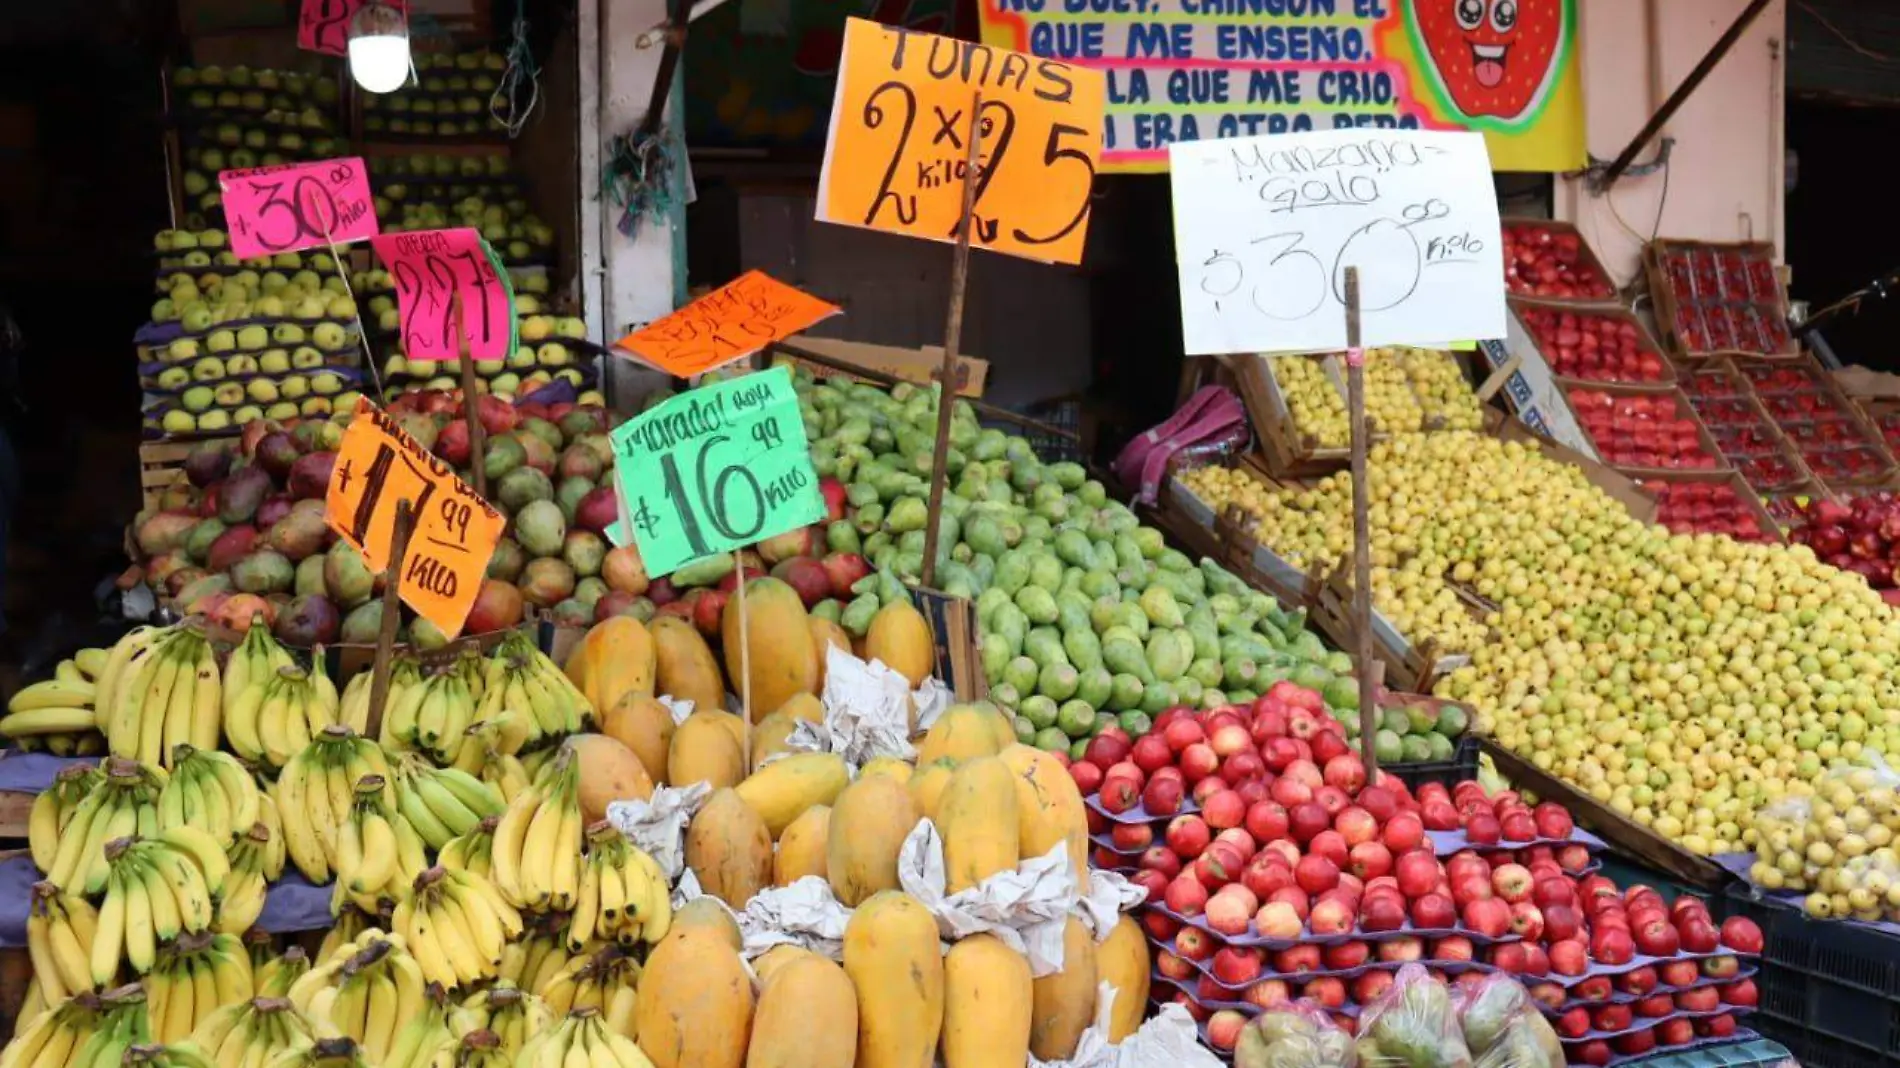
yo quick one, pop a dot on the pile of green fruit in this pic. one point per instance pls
(448, 100)
(239, 118)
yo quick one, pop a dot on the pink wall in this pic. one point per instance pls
(1726, 173)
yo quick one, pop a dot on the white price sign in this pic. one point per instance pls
(1264, 228)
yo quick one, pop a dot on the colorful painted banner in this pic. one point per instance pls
(1191, 70)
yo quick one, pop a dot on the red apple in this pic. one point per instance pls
(1434, 912)
(1198, 761)
(1132, 837)
(1342, 956)
(1640, 981)
(1329, 917)
(1385, 912)
(1489, 917)
(1722, 967)
(1159, 925)
(1614, 1017)
(1675, 1032)
(1716, 1026)
(1278, 919)
(1161, 859)
(1471, 888)
(1266, 821)
(1552, 820)
(1162, 796)
(1403, 949)
(1610, 945)
(1369, 860)
(1186, 896)
(1482, 829)
(1574, 1024)
(1654, 936)
(1561, 922)
(1679, 972)
(1742, 935)
(1527, 921)
(1701, 999)
(1549, 995)
(1355, 825)
(1568, 957)
(1596, 988)
(1296, 960)
(1173, 967)
(1269, 992)
(1194, 943)
(1657, 1006)
(1229, 912)
(1512, 882)
(1418, 872)
(1573, 858)
(1316, 874)
(1224, 1028)
(1182, 733)
(1742, 994)
(1328, 991)
(1188, 835)
(1223, 810)
(1509, 957)
(1594, 1053)
(1151, 753)
(1403, 832)
(1228, 739)
(1295, 897)
(1266, 873)
(1369, 985)
(1698, 936)
(1155, 883)
(1345, 771)
(1236, 966)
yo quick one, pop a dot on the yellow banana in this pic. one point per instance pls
(92, 662)
(56, 692)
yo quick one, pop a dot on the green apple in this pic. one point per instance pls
(381, 303)
(256, 139)
(592, 398)
(211, 238)
(281, 410)
(389, 319)
(231, 312)
(287, 334)
(536, 328)
(294, 386)
(163, 311)
(518, 250)
(570, 375)
(395, 367)
(197, 257)
(273, 361)
(570, 327)
(162, 241)
(183, 239)
(240, 364)
(247, 413)
(221, 341)
(336, 286)
(209, 369)
(178, 421)
(272, 281)
(345, 402)
(288, 261)
(171, 379)
(197, 398)
(261, 389)
(553, 354)
(215, 419)
(321, 262)
(526, 305)
(442, 382)
(330, 337)
(307, 280)
(247, 278)
(315, 406)
(255, 336)
(326, 383)
(308, 308)
(228, 394)
(489, 368)
(269, 306)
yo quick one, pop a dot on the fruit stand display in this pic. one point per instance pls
(1834, 438)
(1549, 260)
(448, 102)
(1715, 298)
(237, 118)
(1592, 345)
(1298, 403)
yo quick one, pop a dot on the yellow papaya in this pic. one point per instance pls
(775, 648)
(987, 1001)
(826, 635)
(807, 1017)
(704, 749)
(962, 732)
(803, 706)
(869, 821)
(684, 667)
(1122, 961)
(783, 789)
(705, 915)
(616, 658)
(926, 786)
(729, 850)
(609, 772)
(1065, 1000)
(641, 723)
(701, 1016)
(1048, 806)
(900, 637)
(1000, 725)
(770, 737)
(892, 956)
(778, 957)
(978, 821)
(803, 848)
(890, 766)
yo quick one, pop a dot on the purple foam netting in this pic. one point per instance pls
(30, 773)
(1323, 940)
(1642, 961)
(290, 905)
(1445, 843)
(1617, 997)
(1643, 1023)
(1138, 814)
(1450, 967)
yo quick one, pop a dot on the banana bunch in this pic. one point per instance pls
(211, 791)
(262, 949)
(273, 975)
(255, 660)
(340, 940)
(521, 677)
(511, 1014)
(457, 925)
(253, 1032)
(59, 715)
(157, 889)
(315, 793)
(59, 932)
(607, 981)
(378, 853)
(404, 672)
(583, 1038)
(32, 1006)
(481, 1049)
(431, 715)
(256, 860)
(124, 801)
(180, 1054)
(532, 960)
(483, 754)
(160, 687)
(623, 893)
(368, 993)
(280, 713)
(53, 810)
(87, 1031)
(536, 856)
(430, 1038)
(442, 803)
(471, 852)
(324, 1053)
(193, 978)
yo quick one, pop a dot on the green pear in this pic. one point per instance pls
(178, 421)
(294, 386)
(221, 341)
(287, 334)
(172, 379)
(306, 357)
(209, 369)
(240, 364)
(214, 420)
(273, 361)
(254, 336)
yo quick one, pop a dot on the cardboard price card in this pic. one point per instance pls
(456, 531)
(716, 469)
(295, 206)
(899, 142)
(429, 267)
(1265, 227)
(324, 25)
(733, 321)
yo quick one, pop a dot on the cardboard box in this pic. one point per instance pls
(917, 365)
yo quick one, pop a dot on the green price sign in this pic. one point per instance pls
(715, 470)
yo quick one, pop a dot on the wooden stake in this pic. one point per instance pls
(745, 668)
(1369, 670)
(392, 613)
(476, 445)
(952, 339)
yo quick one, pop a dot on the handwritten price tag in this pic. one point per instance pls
(733, 321)
(715, 469)
(899, 142)
(429, 267)
(378, 466)
(295, 206)
(324, 25)
(1266, 226)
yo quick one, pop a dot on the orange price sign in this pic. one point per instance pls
(377, 467)
(899, 142)
(733, 321)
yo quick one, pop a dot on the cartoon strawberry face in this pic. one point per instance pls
(1493, 59)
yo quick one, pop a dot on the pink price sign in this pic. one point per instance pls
(429, 268)
(324, 25)
(295, 206)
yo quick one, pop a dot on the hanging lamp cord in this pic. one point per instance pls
(519, 89)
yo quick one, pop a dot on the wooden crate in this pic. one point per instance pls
(1870, 430)
(1751, 500)
(1521, 307)
(1659, 259)
(1589, 255)
(161, 466)
(1684, 409)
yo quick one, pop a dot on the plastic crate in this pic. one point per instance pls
(1830, 991)
(1755, 1053)
(1463, 765)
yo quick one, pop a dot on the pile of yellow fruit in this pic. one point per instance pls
(1317, 407)
(1682, 680)
(1390, 403)
(1834, 839)
(1442, 389)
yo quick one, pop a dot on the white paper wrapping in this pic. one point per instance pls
(867, 712)
(931, 699)
(677, 707)
(1169, 1040)
(658, 824)
(1109, 894)
(1025, 907)
(805, 913)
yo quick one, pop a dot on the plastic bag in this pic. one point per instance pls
(1503, 1028)
(1412, 1025)
(1295, 1034)
(1834, 843)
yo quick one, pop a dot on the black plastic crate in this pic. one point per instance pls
(1463, 765)
(1830, 991)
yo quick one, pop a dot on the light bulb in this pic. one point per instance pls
(379, 47)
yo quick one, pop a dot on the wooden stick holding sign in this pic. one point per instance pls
(952, 340)
(745, 669)
(1370, 669)
(392, 616)
(477, 448)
